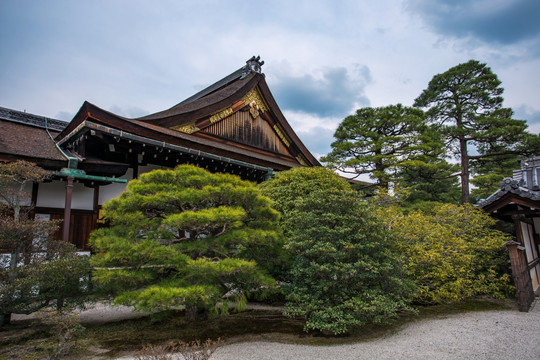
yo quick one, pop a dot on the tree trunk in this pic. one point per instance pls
(195, 313)
(465, 199)
(59, 304)
(5, 319)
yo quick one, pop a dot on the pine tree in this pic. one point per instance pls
(465, 103)
(186, 237)
(383, 142)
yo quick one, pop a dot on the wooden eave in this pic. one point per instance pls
(510, 198)
(90, 113)
(227, 96)
(205, 106)
(156, 126)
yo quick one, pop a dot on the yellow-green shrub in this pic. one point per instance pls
(452, 252)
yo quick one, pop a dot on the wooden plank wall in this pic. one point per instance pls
(242, 128)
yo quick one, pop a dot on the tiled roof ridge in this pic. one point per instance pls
(32, 119)
(510, 185)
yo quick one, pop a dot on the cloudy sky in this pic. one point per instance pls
(323, 59)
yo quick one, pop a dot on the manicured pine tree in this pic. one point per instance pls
(186, 237)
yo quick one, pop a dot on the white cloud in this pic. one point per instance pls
(150, 56)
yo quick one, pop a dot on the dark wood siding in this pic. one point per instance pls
(242, 128)
(83, 222)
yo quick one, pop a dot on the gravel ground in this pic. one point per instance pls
(474, 335)
(497, 334)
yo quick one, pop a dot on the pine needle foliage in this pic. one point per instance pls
(186, 237)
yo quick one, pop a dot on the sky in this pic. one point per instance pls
(323, 59)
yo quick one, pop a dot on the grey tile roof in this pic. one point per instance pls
(514, 186)
(31, 119)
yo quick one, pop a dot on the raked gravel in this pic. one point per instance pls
(490, 335)
(496, 334)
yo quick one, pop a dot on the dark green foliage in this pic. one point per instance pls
(186, 237)
(466, 106)
(288, 186)
(432, 179)
(489, 172)
(383, 142)
(345, 271)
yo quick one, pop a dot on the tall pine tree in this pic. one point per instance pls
(465, 103)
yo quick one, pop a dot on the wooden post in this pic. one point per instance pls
(67, 209)
(521, 275)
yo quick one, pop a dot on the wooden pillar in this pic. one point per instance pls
(521, 275)
(35, 190)
(95, 205)
(67, 209)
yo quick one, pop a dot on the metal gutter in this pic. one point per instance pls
(72, 161)
(81, 174)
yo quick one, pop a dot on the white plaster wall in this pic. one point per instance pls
(113, 190)
(52, 194)
(82, 197)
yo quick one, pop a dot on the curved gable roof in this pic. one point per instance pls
(229, 92)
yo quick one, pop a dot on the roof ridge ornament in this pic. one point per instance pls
(252, 65)
(509, 184)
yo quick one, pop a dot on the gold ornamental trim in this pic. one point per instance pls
(256, 103)
(221, 115)
(189, 128)
(302, 160)
(282, 135)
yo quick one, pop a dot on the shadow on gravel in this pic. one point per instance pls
(118, 338)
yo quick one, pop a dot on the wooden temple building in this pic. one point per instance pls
(517, 203)
(233, 126)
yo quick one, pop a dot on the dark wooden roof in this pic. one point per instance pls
(215, 120)
(205, 103)
(26, 136)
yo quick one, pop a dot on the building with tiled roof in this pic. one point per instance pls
(233, 126)
(30, 137)
(517, 202)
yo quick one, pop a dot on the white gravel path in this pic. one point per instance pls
(498, 334)
(473, 335)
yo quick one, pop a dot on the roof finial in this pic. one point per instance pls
(252, 65)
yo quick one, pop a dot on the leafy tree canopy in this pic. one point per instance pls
(186, 237)
(37, 270)
(452, 251)
(345, 272)
(288, 186)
